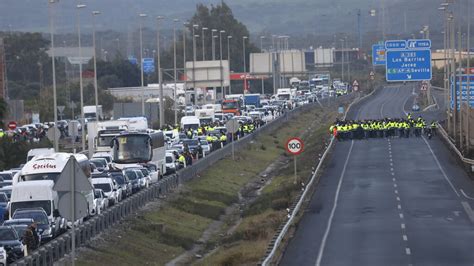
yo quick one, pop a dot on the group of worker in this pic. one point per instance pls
(380, 128)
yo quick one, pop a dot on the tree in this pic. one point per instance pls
(220, 17)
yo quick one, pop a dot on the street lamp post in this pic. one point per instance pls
(55, 106)
(185, 24)
(228, 58)
(142, 82)
(94, 14)
(203, 44)
(175, 106)
(220, 58)
(81, 86)
(245, 60)
(261, 50)
(194, 60)
(213, 44)
(158, 58)
(342, 60)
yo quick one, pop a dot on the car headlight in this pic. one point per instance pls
(46, 232)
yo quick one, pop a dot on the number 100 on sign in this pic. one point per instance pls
(294, 146)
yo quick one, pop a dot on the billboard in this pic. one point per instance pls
(323, 57)
(203, 74)
(292, 62)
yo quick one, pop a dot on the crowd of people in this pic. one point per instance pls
(216, 136)
(30, 135)
(382, 128)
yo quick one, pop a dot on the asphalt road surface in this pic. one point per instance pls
(388, 201)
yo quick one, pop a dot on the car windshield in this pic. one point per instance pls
(139, 174)
(105, 187)
(191, 142)
(119, 178)
(99, 162)
(8, 192)
(7, 234)
(6, 176)
(131, 174)
(20, 229)
(97, 194)
(38, 216)
(39, 177)
(145, 172)
(3, 197)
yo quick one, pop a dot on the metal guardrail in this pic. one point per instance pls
(61, 246)
(453, 147)
(275, 243)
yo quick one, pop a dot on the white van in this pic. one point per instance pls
(190, 122)
(44, 170)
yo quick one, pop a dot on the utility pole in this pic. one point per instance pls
(160, 82)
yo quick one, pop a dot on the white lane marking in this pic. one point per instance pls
(396, 191)
(465, 195)
(468, 210)
(401, 215)
(391, 169)
(398, 198)
(408, 251)
(393, 173)
(391, 160)
(440, 168)
(394, 185)
(405, 238)
(399, 206)
(336, 198)
(391, 164)
(393, 179)
(402, 226)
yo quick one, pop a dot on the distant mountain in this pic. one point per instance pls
(320, 17)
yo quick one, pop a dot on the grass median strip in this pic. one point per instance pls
(163, 231)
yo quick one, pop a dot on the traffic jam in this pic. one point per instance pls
(128, 157)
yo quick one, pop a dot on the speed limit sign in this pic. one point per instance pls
(294, 146)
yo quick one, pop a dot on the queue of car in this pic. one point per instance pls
(25, 203)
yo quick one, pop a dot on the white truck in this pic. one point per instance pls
(33, 185)
(136, 123)
(107, 131)
(91, 113)
(190, 122)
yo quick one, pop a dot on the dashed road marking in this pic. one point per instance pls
(401, 215)
(396, 191)
(405, 238)
(391, 169)
(393, 173)
(393, 179)
(408, 251)
(402, 226)
(394, 185)
(398, 198)
(399, 206)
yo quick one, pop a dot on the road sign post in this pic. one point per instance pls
(72, 204)
(378, 55)
(232, 127)
(295, 147)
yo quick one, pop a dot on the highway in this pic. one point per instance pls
(387, 201)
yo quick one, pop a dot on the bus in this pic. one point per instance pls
(140, 148)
